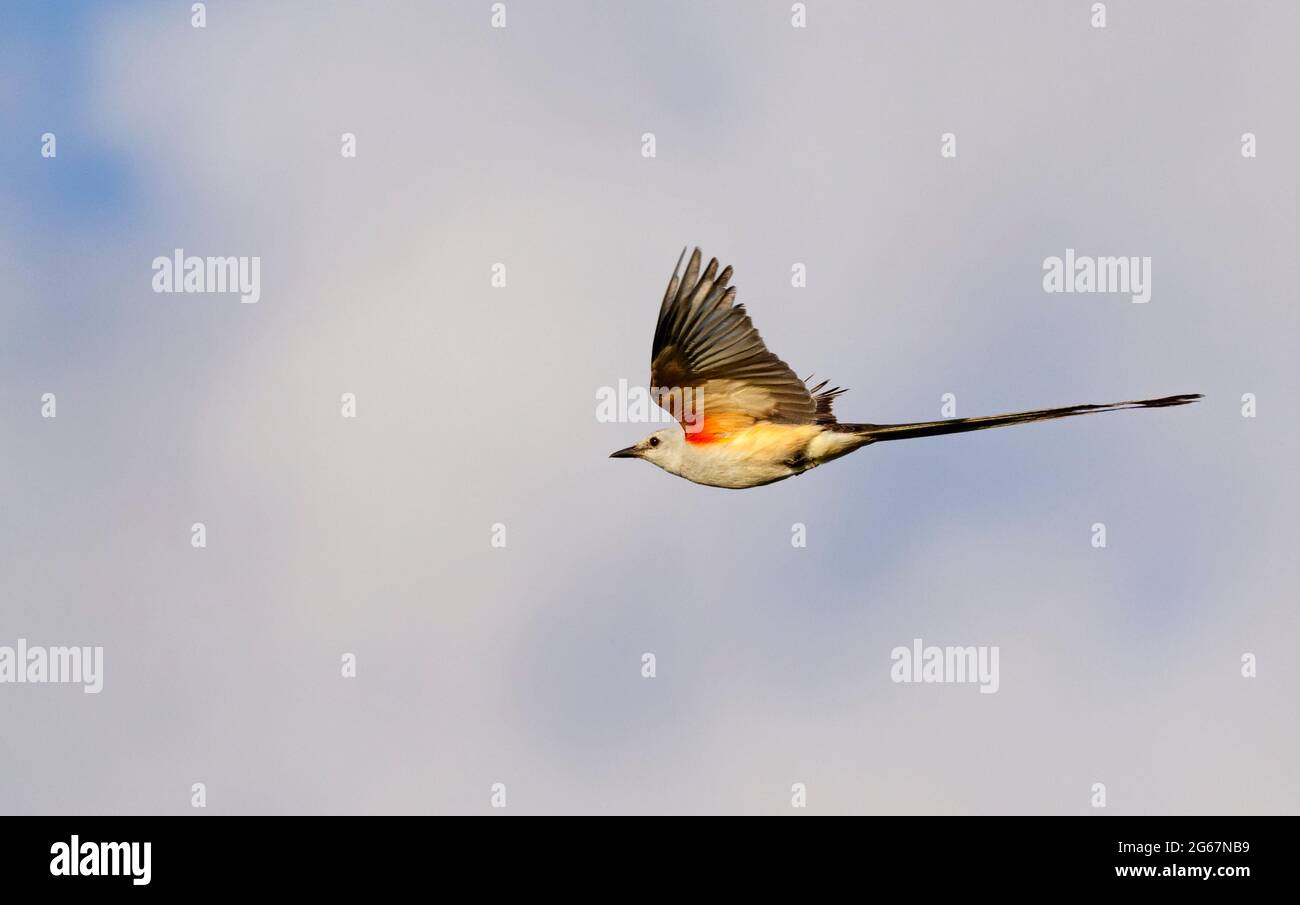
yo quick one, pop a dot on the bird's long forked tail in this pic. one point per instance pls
(879, 432)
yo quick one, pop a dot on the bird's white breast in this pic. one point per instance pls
(759, 454)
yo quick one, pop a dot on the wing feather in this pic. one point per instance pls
(706, 342)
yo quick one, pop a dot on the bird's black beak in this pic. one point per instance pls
(629, 453)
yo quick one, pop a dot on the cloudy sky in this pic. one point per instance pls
(522, 665)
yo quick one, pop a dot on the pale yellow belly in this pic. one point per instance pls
(761, 454)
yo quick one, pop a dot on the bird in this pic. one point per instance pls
(744, 419)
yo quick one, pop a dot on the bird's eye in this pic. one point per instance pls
(654, 441)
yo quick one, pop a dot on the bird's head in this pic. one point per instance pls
(663, 448)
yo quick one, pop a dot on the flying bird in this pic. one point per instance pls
(744, 418)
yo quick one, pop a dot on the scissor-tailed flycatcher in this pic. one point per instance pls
(754, 421)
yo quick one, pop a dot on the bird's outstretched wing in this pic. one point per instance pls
(707, 352)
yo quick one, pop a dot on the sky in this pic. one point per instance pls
(522, 665)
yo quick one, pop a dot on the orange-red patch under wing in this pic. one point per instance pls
(717, 427)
